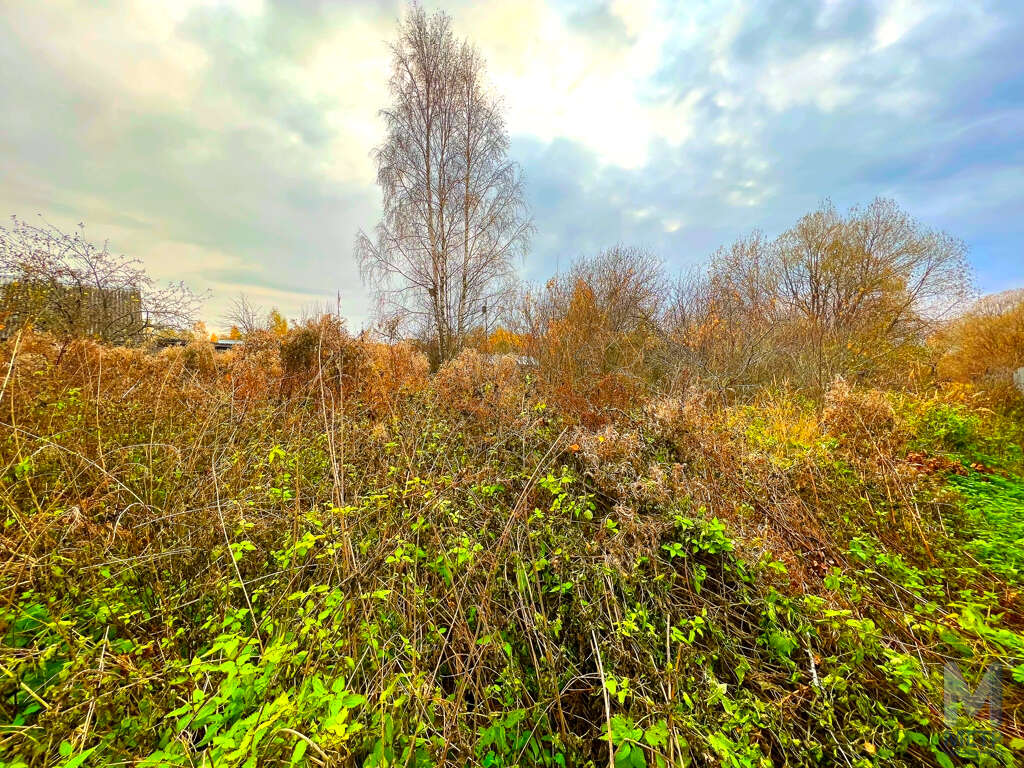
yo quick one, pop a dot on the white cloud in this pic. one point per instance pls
(348, 69)
(229, 143)
(120, 52)
(559, 82)
(898, 18)
(819, 76)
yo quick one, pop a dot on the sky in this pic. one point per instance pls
(229, 144)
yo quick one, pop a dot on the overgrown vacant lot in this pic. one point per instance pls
(250, 560)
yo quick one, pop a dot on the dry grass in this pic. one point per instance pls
(196, 545)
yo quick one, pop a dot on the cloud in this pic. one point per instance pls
(794, 103)
(236, 179)
(601, 23)
(229, 143)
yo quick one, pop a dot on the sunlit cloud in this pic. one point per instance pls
(230, 143)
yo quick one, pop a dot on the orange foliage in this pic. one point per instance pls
(504, 342)
(591, 362)
(392, 371)
(986, 346)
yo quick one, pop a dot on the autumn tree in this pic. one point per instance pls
(454, 216)
(985, 346)
(277, 323)
(595, 329)
(867, 288)
(854, 295)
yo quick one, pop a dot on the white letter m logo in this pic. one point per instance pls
(958, 700)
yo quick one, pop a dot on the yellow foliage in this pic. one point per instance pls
(986, 346)
(278, 323)
(502, 342)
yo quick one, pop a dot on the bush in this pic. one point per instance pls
(486, 387)
(985, 347)
(858, 415)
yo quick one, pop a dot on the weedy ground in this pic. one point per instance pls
(236, 562)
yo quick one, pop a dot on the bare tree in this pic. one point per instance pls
(72, 288)
(853, 294)
(245, 316)
(865, 288)
(721, 322)
(454, 215)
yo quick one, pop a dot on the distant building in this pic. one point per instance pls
(110, 314)
(221, 345)
(163, 342)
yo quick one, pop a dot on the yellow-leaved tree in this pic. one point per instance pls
(985, 346)
(278, 323)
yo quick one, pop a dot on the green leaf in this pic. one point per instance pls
(630, 756)
(782, 643)
(915, 737)
(622, 729)
(350, 700)
(78, 759)
(657, 734)
(298, 752)
(955, 641)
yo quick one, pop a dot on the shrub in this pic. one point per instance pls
(857, 414)
(985, 347)
(482, 386)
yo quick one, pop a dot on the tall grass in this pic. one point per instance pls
(319, 555)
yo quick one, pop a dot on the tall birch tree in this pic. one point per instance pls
(454, 217)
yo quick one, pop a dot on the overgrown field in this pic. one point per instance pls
(336, 559)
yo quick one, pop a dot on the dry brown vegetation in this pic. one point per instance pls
(855, 296)
(311, 550)
(985, 346)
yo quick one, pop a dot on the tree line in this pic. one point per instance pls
(855, 294)
(870, 294)
(858, 295)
